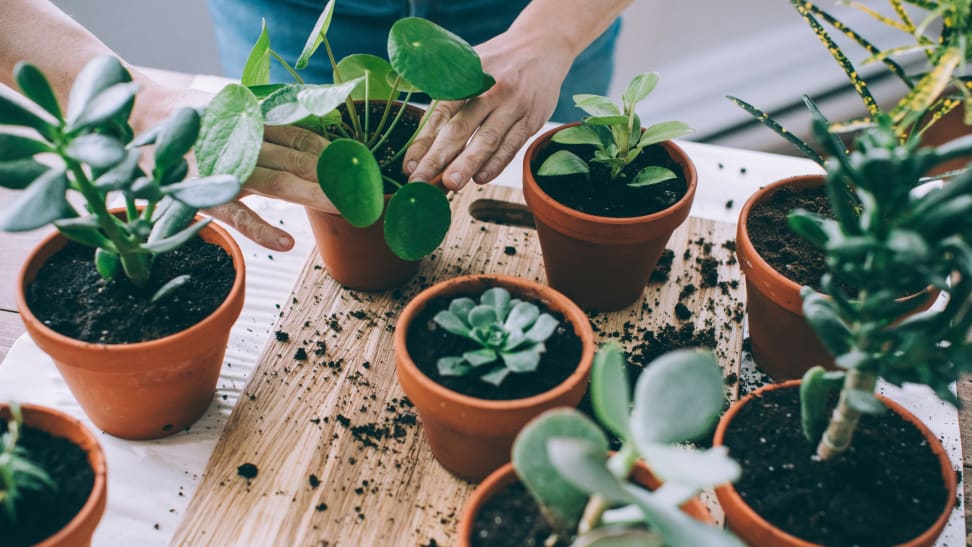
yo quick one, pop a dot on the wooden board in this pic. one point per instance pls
(339, 417)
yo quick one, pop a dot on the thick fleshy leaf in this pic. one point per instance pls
(521, 316)
(350, 177)
(283, 107)
(452, 366)
(115, 101)
(579, 134)
(452, 322)
(610, 390)
(18, 174)
(15, 147)
(122, 174)
(677, 527)
(97, 150)
(176, 137)
(663, 131)
(231, 134)
(498, 298)
(205, 192)
(544, 326)
(482, 316)
(525, 360)
(175, 216)
(584, 464)
(316, 36)
(562, 162)
(375, 72)
(596, 105)
(417, 220)
(639, 87)
(84, 230)
(256, 71)
(423, 52)
(146, 188)
(815, 391)
(460, 307)
(17, 110)
(35, 86)
(107, 263)
(653, 174)
(175, 241)
(479, 357)
(40, 204)
(96, 76)
(171, 287)
(696, 469)
(496, 376)
(563, 501)
(823, 317)
(606, 120)
(678, 398)
(322, 99)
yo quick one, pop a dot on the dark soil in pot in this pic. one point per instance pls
(596, 194)
(511, 518)
(887, 489)
(41, 514)
(427, 342)
(403, 131)
(69, 296)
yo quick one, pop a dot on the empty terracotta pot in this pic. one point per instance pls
(143, 390)
(506, 475)
(471, 437)
(601, 263)
(754, 530)
(77, 532)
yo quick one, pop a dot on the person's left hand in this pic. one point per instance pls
(476, 139)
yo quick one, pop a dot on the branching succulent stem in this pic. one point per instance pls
(840, 431)
(620, 466)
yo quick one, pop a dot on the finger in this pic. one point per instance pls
(289, 187)
(515, 139)
(291, 160)
(296, 138)
(252, 226)
(452, 138)
(437, 118)
(489, 138)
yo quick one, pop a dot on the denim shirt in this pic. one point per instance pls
(361, 26)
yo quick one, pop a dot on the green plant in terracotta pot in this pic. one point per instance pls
(113, 284)
(846, 436)
(606, 194)
(583, 495)
(381, 224)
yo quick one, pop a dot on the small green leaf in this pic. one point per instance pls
(498, 298)
(176, 137)
(597, 106)
(98, 151)
(523, 361)
(695, 469)
(452, 366)
(35, 86)
(121, 175)
(542, 329)
(639, 87)
(17, 147)
(351, 179)
(483, 316)
(610, 390)
(173, 242)
(811, 227)
(579, 134)
(460, 307)
(40, 204)
(231, 134)
(84, 230)
(864, 401)
(521, 316)
(283, 107)
(562, 162)
(496, 376)
(374, 70)
(316, 36)
(256, 71)
(205, 192)
(98, 75)
(175, 216)
(171, 287)
(16, 110)
(584, 464)
(606, 120)
(115, 101)
(664, 131)
(323, 99)
(146, 188)
(107, 263)
(452, 322)
(479, 357)
(823, 317)
(652, 174)
(18, 174)
(416, 220)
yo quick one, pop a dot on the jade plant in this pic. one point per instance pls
(354, 171)
(896, 242)
(510, 332)
(90, 149)
(18, 474)
(585, 494)
(616, 135)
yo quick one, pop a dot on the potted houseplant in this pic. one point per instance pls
(894, 483)
(131, 305)
(53, 480)
(482, 355)
(381, 225)
(564, 488)
(606, 194)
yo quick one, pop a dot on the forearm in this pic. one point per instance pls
(568, 24)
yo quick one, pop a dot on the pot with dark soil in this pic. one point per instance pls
(480, 356)
(53, 479)
(606, 194)
(133, 305)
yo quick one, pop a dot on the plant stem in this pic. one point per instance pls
(425, 120)
(286, 65)
(620, 466)
(384, 114)
(391, 127)
(840, 431)
(348, 103)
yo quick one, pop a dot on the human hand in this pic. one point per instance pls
(529, 69)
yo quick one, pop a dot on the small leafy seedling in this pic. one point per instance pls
(562, 456)
(511, 334)
(616, 135)
(92, 152)
(18, 473)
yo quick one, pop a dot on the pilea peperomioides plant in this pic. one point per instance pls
(895, 243)
(17, 472)
(562, 456)
(511, 332)
(96, 156)
(615, 133)
(356, 170)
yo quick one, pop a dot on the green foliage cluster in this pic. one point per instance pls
(562, 456)
(417, 216)
(511, 334)
(616, 135)
(18, 473)
(90, 149)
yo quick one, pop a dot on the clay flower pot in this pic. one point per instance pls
(77, 532)
(506, 475)
(754, 530)
(143, 390)
(602, 263)
(471, 437)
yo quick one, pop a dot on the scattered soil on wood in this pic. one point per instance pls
(41, 513)
(427, 342)
(597, 194)
(886, 490)
(511, 518)
(71, 297)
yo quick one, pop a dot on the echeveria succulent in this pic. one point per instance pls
(17, 472)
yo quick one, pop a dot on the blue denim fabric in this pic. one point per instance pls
(361, 26)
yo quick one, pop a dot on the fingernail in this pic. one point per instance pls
(285, 242)
(411, 167)
(481, 177)
(456, 179)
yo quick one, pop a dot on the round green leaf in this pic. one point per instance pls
(320, 100)
(440, 63)
(374, 69)
(283, 107)
(417, 220)
(350, 177)
(34, 85)
(231, 134)
(316, 36)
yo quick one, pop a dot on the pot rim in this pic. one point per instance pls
(690, 174)
(55, 238)
(96, 459)
(729, 492)
(551, 297)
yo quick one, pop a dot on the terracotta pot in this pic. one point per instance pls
(754, 530)
(602, 263)
(359, 258)
(471, 437)
(784, 345)
(77, 532)
(506, 475)
(143, 390)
